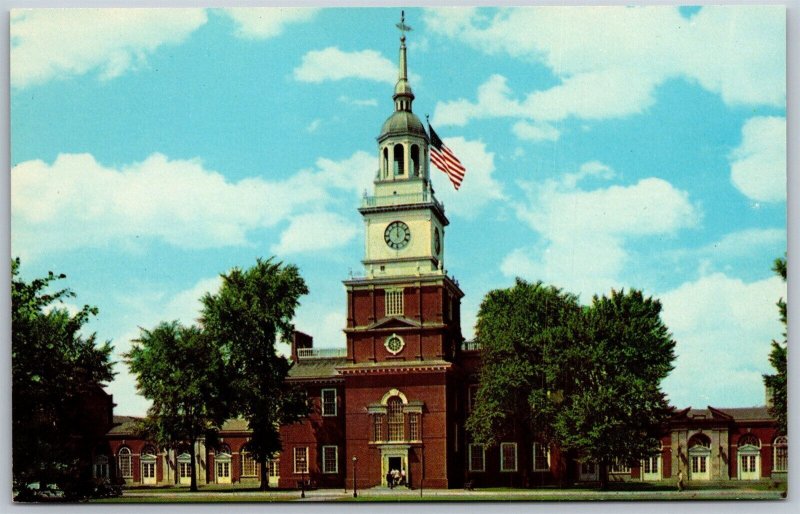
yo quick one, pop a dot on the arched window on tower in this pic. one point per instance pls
(399, 160)
(385, 164)
(396, 422)
(415, 160)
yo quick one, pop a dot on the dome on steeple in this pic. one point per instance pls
(403, 121)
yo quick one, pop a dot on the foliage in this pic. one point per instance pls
(614, 407)
(586, 379)
(252, 309)
(181, 371)
(522, 331)
(776, 383)
(55, 368)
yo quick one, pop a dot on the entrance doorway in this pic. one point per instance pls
(394, 458)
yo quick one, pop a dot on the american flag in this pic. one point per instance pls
(444, 159)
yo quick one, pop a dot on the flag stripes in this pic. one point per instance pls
(444, 159)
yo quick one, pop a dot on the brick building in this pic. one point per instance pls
(397, 396)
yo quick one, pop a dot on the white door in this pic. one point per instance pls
(699, 467)
(184, 469)
(148, 471)
(223, 471)
(749, 466)
(274, 470)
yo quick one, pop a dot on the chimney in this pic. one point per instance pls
(300, 340)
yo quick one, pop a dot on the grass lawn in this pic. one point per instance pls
(630, 491)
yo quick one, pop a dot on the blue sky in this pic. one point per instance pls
(606, 148)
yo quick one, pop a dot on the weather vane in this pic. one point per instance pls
(402, 25)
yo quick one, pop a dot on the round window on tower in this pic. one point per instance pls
(394, 344)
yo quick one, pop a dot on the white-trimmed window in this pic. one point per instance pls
(413, 426)
(508, 456)
(541, 457)
(249, 463)
(781, 449)
(699, 464)
(477, 457)
(394, 302)
(329, 402)
(330, 459)
(396, 420)
(301, 459)
(377, 427)
(101, 466)
(124, 461)
(619, 466)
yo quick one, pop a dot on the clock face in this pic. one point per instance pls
(394, 344)
(437, 241)
(397, 235)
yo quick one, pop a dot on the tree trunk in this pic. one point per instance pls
(603, 475)
(193, 486)
(264, 475)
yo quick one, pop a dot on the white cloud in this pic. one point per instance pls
(744, 242)
(610, 59)
(584, 232)
(313, 126)
(334, 64)
(55, 43)
(315, 231)
(723, 327)
(146, 309)
(535, 131)
(758, 165)
(479, 186)
(263, 23)
(77, 202)
(324, 323)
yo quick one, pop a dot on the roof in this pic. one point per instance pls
(726, 413)
(403, 122)
(316, 368)
(124, 424)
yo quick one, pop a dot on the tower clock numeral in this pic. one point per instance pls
(397, 235)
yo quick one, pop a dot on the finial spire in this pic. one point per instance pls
(402, 26)
(402, 90)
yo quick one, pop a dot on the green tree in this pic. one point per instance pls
(55, 368)
(181, 371)
(522, 332)
(776, 383)
(252, 309)
(614, 409)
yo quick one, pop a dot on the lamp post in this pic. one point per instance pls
(302, 477)
(355, 487)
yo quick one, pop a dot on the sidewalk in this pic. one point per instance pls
(403, 494)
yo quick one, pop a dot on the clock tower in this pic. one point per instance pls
(404, 221)
(402, 372)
